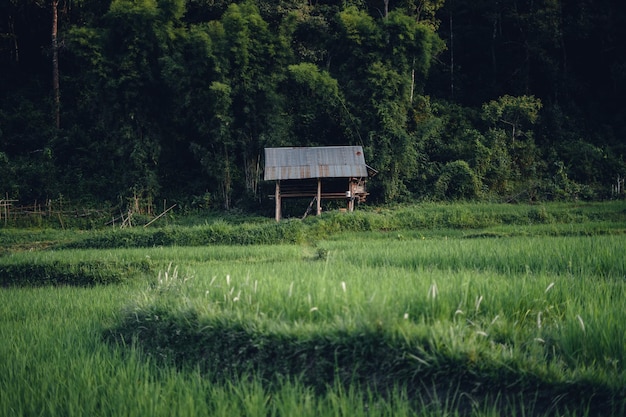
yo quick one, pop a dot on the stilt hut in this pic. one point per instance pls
(327, 172)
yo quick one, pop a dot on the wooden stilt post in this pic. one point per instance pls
(350, 196)
(319, 196)
(278, 204)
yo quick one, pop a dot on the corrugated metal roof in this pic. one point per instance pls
(314, 162)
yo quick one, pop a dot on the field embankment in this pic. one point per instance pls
(468, 220)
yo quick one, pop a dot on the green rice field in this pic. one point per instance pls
(432, 310)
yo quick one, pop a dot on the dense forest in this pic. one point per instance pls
(506, 100)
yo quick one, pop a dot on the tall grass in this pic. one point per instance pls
(598, 255)
(55, 364)
(519, 319)
(387, 312)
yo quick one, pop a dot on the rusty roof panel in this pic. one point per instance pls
(314, 162)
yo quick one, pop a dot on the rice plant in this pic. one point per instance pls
(482, 322)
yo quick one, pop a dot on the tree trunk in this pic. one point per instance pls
(16, 50)
(252, 172)
(451, 59)
(226, 180)
(412, 81)
(55, 64)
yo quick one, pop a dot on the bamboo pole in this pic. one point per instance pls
(158, 217)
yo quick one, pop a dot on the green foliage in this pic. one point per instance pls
(515, 113)
(175, 99)
(315, 105)
(457, 181)
(514, 161)
(359, 28)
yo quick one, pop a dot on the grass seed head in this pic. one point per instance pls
(433, 291)
(580, 320)
(478, 301)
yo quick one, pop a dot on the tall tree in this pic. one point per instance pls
(314, 107)
(514, 160)
(381, 65)
(251, 63)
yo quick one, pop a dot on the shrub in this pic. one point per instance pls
(457, 181)
(84, 273)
